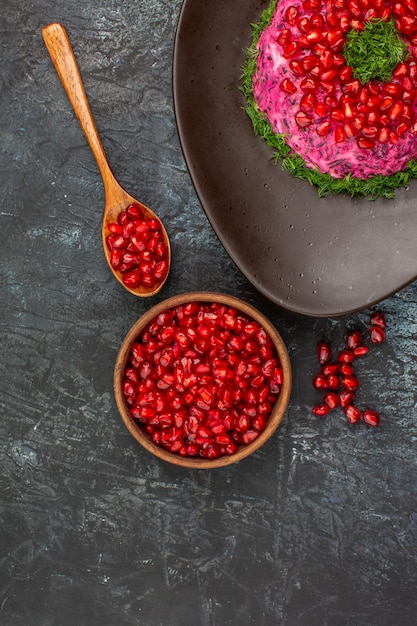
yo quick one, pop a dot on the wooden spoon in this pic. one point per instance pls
(116, 198)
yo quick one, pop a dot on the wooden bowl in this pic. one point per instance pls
(278, 409)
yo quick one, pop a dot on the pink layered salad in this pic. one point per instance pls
(310, 95)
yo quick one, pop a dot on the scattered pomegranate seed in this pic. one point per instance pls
(321, 410)
(137, 249)
(377, 334)
(354, 339)
(202, 379)
(346, 369)
(353, 414)
(320, 382)
(351, 383)
(345, 398)
(378, 319)
(360, 351)
(346, 356)
(332, 399)
(371, 418)
(333, 381)
(338, 379)
(324, 352)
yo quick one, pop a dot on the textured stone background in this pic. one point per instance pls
(318, 528)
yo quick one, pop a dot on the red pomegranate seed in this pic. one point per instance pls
(407, 24)
(320, 382)
(324, 128)
(302, 119)
(134, 211)
(330, 368)
(317, 21)
(353, 414)
(352, 86)
(333, 381)
(310, 62)
(360, 351)
(132, 279)
(377, 334)
(327, 62)
(311, 5)
(331, 19)
(321, 109)
(392, 89)
(345, 74)
(378, 319)
(303, 24)
(250, 436)
(116, 258)
(346, 369)
(324, 352)
(393, 137)
(400, 71)
(115, 228)
(331, 399)
(290, 50)
(259, 423)
(366, 144)
(350, 383)
(314, 36)
(349, 129)
(328, 75)
(346, 356)
(410, 5)
(321, 410)
(288, 86)
(192, 449)
(339, 135)
(354, 339)
(337, 115)
(284, 37)
(371, 418)
(297, 68)
(307, 102)
(383, 135)
(291, 15)
(354, 7)
(310, 83)
(346, 398)
(396, 110)
(116, 242)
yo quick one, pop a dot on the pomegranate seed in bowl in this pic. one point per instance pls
(202, 380)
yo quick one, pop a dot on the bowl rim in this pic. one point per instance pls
(278, 409)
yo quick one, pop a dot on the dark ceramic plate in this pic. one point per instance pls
(316, 256)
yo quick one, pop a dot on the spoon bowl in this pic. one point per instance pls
(116, 198)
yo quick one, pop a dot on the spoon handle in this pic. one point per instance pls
(59, 47)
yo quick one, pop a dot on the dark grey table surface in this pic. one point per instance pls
(317, 528)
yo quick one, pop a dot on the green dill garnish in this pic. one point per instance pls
(374, 52)
(374, 187)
